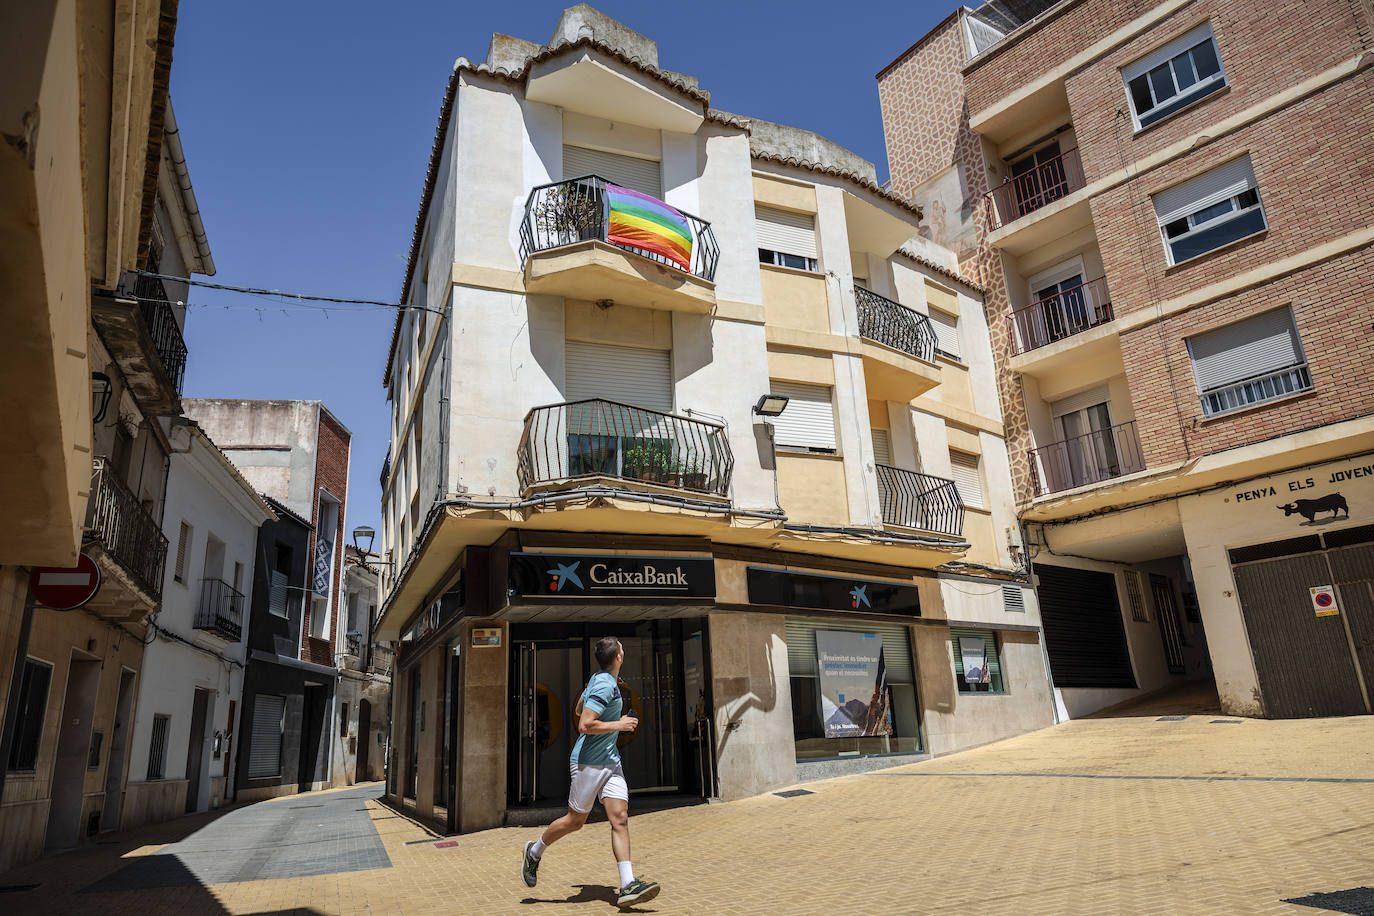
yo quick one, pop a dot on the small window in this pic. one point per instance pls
(786, 239)
(183, 550)
(943, 306)
(977, 662)
(157, 748)
(343, 721)
(28, 730)
(276, 600)
(1136, 596)
(808, 423)
(968, 478)
(882, 447)
(1209, 211)
(1250, 362)
(1186, 70)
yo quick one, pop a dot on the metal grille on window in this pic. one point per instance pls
(809, 420)
(977, 660)
(1136, 595)
(1249, 362)
(183, 548)
(157, 748)
(264, 758)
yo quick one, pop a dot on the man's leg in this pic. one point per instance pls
(568, 823)
(632, 890)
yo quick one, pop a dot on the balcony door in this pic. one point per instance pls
(1061, 304)
(1087, 450)
(1039, 178)
(627, 438)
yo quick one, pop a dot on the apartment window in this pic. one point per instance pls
(28, 730)
(943, 306)
(276, 600)
(183, 550)
(1136, 596)
(968, 478)
(1186, 70)
(1209, 211)
(1252, 361)
(343, 720)
(808, 423)
(977, 662)
(786, 239)
(157, 748)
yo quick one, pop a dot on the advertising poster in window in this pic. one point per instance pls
(693, 682)
(853, 682)
(974, 653)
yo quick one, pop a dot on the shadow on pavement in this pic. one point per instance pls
(589, 893)
(1195, 698)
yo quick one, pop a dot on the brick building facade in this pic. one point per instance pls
(1169, 208)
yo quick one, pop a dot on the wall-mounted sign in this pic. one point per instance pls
(1324, 601)
(1313, 496)
(554, 576)
(831, 593)
(486, 636)
(62, 589)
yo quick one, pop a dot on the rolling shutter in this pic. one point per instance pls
(1264, 343)
(785, 231)
(946, 329)
(1084, 634)
(276, 597)
(1222, 183)
(630, 375)
(964, 468)
(643, 175)
(801, 647)
(1081, 401)
(809, 420)
(264, 758)
(882, 447)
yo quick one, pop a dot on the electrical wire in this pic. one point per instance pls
(300, 298)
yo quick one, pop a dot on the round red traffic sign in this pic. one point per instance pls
(65, 589)
(1323, 599)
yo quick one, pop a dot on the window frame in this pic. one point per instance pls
(16, 755)
(779, 259)
(158, 755)
(1166, 56)
(1303, 364)
(1241, 172)
(1195, 228)
(995, 688)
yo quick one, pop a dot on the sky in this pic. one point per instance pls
(307, 129)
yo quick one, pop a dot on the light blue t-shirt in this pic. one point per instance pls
(602, 697)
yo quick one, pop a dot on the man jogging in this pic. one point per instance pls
(596, 773)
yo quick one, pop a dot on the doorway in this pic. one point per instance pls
(195, 749)
(1170, 629)
(73, 752)
(114, 761)
(361, 774)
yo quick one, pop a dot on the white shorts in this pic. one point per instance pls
(590, 783)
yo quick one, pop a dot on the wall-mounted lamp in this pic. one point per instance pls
(101, 389)
(361, 532)
(771, 405)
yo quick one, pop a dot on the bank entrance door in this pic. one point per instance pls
(551, 664)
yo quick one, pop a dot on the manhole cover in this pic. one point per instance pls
(1358, 901)
(793, 793)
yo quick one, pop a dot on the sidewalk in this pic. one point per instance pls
(1203, 814)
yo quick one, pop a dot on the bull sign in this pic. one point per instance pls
(1324, 601)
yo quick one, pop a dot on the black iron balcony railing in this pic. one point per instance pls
(1068, 312)
(381, 660)
(597, 438)
(1043, 184)
(126, 532)
(353, 644)
(221, 609)
(579, 210)
(1090, 458)
(915, 500)
(894, 325)
(161, 323)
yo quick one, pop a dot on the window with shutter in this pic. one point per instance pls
(968, 478)
(1252, 361)
(264, 754)
(631, 375)
(946, 334)
(276, 597)
(1186, 70)
(183, 550)
(642, 175)
(786, 239)
(977, 661)
(882, 447)
(1214, 209)
(809, 420)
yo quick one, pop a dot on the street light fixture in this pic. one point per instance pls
(771, 405)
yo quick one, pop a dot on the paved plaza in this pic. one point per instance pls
(1153, 811)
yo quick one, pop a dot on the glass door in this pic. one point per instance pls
(651, 755)
(547, 680)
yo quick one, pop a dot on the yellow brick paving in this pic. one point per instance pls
(991, 830)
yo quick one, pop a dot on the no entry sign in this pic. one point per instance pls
(62, 589)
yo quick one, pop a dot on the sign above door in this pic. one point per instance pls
(547, 576)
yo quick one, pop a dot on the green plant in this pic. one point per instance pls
(648, 457)
(569, 209)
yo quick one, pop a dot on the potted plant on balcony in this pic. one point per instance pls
(691, 474)
(649, 461)
(568, 213)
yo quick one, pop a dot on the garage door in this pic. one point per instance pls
(1084, 635)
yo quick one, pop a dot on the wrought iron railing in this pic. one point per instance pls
(1043, 184)
(894, 325)
(578, 210)
(1090, 458)
(353, 644)
(162, 326)
(1068, 312)
(221, 609)
(126, 532)
(382, 659)
(598, 438)
(915, 500)
(1256, 390)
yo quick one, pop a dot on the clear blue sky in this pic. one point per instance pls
(308, 126)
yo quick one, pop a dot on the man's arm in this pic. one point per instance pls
(589, 724)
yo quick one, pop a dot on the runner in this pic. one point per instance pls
(596, 773)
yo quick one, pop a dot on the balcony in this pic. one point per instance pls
(126, 535)
(1044, 184)
(903, 367)
(913, 500)
(143, 337)
(1087, 459)
(381, 660)
(596, 440)
(221, 609)
(586, 238)
(1071, 311)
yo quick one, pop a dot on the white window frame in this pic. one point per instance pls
(952, 326)
(1168, 55)
(782, 387)
(1196, 225)
(1056, 275)
(1301, 370)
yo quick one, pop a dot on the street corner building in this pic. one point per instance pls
(693, 380)
(1168, 207)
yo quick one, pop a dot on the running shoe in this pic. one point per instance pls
(529, 870)
(637, 891)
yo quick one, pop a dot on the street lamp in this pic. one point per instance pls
(771, 405)
(361, 532)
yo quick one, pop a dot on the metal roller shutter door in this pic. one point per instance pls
(801, 646)
(1084, 633)
(630, 375)
(264, 758)
(643, 175)
(785, 231)
(809, 420)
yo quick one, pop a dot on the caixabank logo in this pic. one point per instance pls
(565, 574)
(589, 576)
(858, 597)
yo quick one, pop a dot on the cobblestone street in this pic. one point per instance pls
(1184, 813)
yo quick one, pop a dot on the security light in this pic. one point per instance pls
(771, 405)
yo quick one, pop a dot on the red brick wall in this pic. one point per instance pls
(331, 473)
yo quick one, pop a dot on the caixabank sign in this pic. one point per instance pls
(570, 576)
(831, 593)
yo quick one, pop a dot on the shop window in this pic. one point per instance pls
(853, 689)
(28, 730)
(977, 661)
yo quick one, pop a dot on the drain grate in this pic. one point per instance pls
(1227, 721)
(303, 807)
(793, 793)
(1357, 901)
(1171, 718)
(16, 888)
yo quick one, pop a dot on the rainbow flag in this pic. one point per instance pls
(640, 221)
